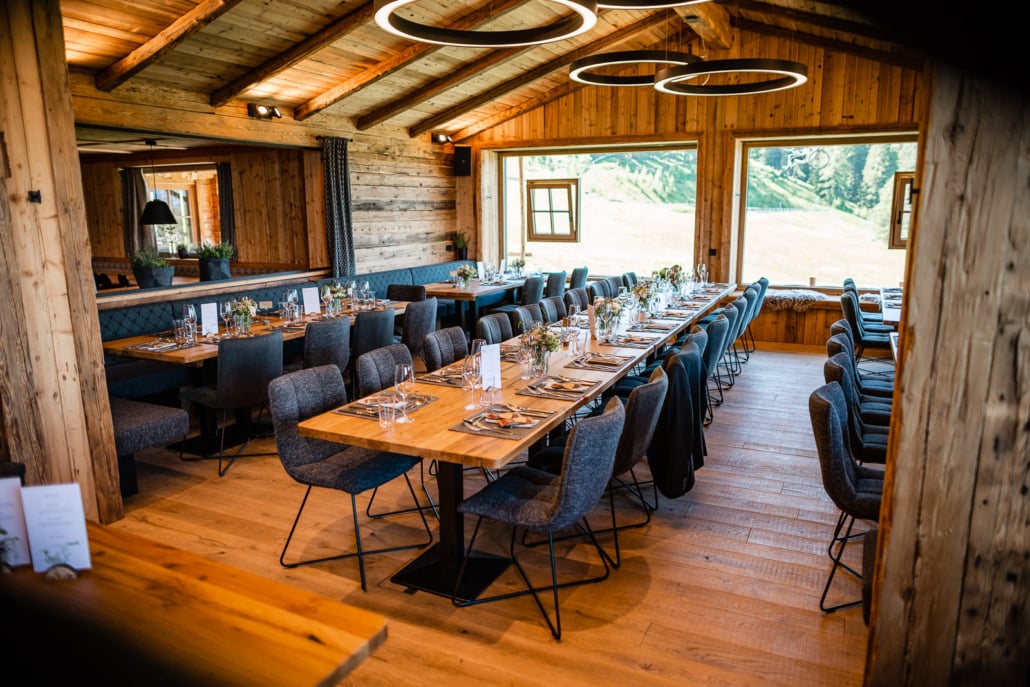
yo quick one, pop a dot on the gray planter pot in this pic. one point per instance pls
(153, 277)
(213, 269)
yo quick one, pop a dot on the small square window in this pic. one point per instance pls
(552, 209)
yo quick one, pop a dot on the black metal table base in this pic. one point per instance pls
(428, 573)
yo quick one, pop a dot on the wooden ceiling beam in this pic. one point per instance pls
(489, 11)
(543, 71)
(283, 61)
(823, 16)
(709, 21)
(518, 110)
(178, 31)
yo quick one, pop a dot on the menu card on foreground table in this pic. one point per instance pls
(12, 523)
(490, 366)
(209, 318)
(312, 304)
(56, 526)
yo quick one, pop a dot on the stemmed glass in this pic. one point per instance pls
(327, 299)
(404, 382)
(225, 310)
(470, 380)
(526, 356)
(702, 275)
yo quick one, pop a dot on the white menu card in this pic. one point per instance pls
(312, 305)
(490, 366)
(208, 318)
(56, 525)
(12, 523)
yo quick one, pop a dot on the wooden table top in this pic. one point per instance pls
(181, 619)
(207, 347)
(429, 435)
(475, 289)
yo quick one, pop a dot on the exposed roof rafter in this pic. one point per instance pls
(178, 31)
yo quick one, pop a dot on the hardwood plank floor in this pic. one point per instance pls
(721, 588)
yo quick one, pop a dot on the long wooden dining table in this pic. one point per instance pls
(161, 346)
(439, 432)
(467, 297)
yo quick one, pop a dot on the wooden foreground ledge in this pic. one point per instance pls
(150, 614)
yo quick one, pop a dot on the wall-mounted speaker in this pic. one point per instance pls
(462, 161)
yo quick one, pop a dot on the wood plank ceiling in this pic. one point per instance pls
(322, 56)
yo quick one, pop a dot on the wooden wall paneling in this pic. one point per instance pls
(953, 556)
(102, 191)
(317, 249)
(55, 368)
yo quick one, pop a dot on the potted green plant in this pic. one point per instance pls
(214, 260)
(461, 245)
(182, 250)
(151, 270)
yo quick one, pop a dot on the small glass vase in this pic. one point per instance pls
(466, 282)
(541, 362)
(242, 322)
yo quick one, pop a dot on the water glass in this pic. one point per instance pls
(387, 412)
(181, 328)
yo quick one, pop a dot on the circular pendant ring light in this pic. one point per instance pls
(583, 19)
(645, 4)
(580, 70)
(671, 79)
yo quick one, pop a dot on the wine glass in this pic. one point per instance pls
(526, 356)
(404, 382)
(470, 380)
(225, 310)
(327, 299)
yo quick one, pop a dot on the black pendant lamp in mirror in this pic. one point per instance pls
(155, 211)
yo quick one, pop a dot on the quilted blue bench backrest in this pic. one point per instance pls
(135, 320)
(429, 274)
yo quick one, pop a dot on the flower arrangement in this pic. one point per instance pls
(465, 273)
(607, 309)
(245, 307)
(544, 340)
(517, 265)
(338, 291)
(642, 292)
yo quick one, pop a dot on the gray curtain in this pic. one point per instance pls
(226, 215)
(134, 197)
(338, 222)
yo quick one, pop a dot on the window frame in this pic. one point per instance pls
(902, 207)
(571, 188)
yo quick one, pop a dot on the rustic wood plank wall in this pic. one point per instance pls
(403, 193)
(952, 568)
(53, 395)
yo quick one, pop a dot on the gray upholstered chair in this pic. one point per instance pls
(410, 293)
(578, 297)
(868, 423)
(245, 367)
(614, 284)
(325, 342)
(524, 316)
(297, 396)
(443, 347)
(863, 336)
(538, 501)
(578, 280)
(555, 285)
(597, 289)
(718, 330)
(855, 489)
(868, 385)
(629, 279)
(372, 329)
(643, 407)
(552, 308)
(374, 369)
(419, 319)
(531, 292)
(494, 328)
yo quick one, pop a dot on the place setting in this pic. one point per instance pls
(558, 387)
(603, 362)
(652, 325)
(503, 420)
(450, 375)
(629, 341)
(370, 406)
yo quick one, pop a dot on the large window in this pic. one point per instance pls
(191, 192)
(611, 210)
(817, 211)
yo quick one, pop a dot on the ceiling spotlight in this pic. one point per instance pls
(440, 137)
(262, 111)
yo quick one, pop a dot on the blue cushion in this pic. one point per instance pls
(135, 320)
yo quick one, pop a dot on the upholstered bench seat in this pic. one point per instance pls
(139, 425)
